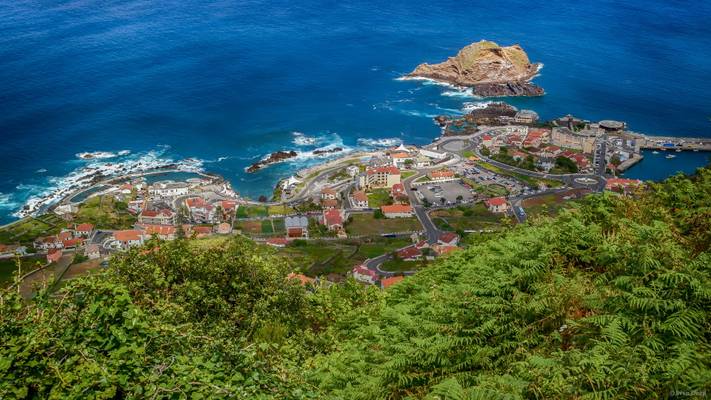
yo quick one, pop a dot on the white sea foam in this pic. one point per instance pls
(7, 202)
(57, 188)
(415, 113)
(98, 155)
(300, 139)
(471, 106)
(41, 171)
(386, 142)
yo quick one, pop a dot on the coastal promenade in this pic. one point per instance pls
(673, 143)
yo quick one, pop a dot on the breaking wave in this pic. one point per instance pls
(386, 142)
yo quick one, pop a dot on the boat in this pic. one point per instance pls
(670, 156)
(678, 150)
(655, 152)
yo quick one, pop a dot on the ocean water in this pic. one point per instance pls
(227, 82)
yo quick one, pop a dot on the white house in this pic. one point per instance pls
(363, 274)
(169, 189)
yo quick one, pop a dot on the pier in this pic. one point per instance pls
(674, 143)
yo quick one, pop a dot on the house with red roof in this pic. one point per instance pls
(202, 231)
(497, 204)
(398, 191)
(387, 282)
(329, 194)
(84, 230)
(487, 140)
(200, 210)
(72, 243)
(333, 219)
(359, 199)
(47, 242)
(410, 253)
(128, 238)
(442, 175)
(165, 232)
(622, 185)
(443, 249)
(397, 211)
(401, 159)
(448, 238)
(54, 255)
(163, 216)
(362, 274)
(329, 203)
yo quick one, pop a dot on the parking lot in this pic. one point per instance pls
(484, 177)
(449, 191)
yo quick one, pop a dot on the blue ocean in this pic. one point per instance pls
(227, 82)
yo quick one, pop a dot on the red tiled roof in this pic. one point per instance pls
(409, 252)
(84, 228)
(444, 249)
(496, 201)
(612, 182)
(396, 209)
(64, 236)
(228, 204)
(72, 242)
(127, 235)
(398, 188)
(486, 137)
(360, 196)
(202, 229)
(329, 202)
(361, 269)
(159, 229)
(448, 237)
(400, 155)
(333, 217)
(195, 202)
(328, 191)
(387, 282)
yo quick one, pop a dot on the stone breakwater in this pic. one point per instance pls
(277, 156)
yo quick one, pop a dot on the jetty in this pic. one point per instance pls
(674, 143)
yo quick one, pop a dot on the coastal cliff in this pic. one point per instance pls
(491, 70)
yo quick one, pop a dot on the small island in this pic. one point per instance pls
(489, 69)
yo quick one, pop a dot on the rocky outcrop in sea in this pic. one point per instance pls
(491, 70)
(277, 156)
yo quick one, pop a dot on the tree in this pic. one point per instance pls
(566, 164)
(460, 198)
(485, 151)
(262, 199)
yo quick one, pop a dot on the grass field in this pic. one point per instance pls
(379, 197)
(28, 229)
(315, 257)
(280, 210)
(267, 226)
(250, 227)
(105, 212)
(366, 224)
(407, 174)
(493, 190)
(463, 218)
(546, 205)
(252, 211)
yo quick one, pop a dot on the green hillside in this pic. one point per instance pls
(609, 300)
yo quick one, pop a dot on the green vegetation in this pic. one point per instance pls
(368, 225)
(492, 190)
(462, 218)
(8, 268)
(267, 226)
(564, 165)
(30, 228)
(525, 163)
(468, 153)
(406, 174)
(397, 265)
(252, 211)
(336, 256)
(379, 197)
(105, 212)
(609, 300)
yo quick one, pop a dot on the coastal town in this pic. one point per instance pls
(377, 216)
